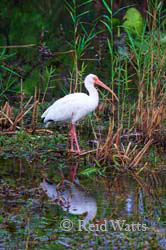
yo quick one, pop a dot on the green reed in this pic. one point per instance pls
(82, 37)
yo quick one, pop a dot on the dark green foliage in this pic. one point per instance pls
(25, 23)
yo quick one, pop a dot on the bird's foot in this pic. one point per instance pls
(75, 151)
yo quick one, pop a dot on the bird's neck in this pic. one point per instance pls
(93, 93)
(91, 214)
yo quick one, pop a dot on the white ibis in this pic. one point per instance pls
(75, 106)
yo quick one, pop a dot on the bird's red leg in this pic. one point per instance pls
(73, 138)
(73, 171)
(76, 141)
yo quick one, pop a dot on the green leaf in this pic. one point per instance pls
(10, 70)
(107, 7)
(89, 171)
(133, 21)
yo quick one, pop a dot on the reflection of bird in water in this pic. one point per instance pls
(73, 198)
(74, 107)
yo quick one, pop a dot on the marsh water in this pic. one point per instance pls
(130, 210)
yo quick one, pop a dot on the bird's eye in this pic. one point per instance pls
(95, 79)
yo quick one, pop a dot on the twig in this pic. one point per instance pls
(17, 46)
(6, 117)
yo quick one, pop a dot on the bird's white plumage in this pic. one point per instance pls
(74, 106)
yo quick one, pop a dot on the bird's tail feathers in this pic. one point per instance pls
(47, 124)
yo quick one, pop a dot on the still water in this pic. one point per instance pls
(122, 212)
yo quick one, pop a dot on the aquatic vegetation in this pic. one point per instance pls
(29, 219)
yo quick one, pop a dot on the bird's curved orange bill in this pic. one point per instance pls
(101, 84)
